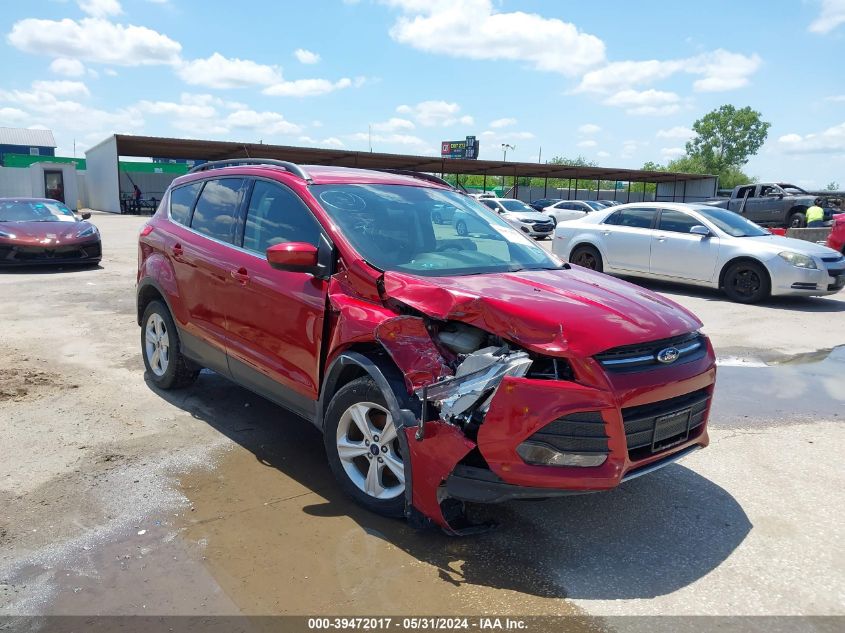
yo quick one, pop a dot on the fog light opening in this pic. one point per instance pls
(544, 455)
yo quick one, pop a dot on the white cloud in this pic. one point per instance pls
(832, 15)
(62, 88)
(436, 113)
(100, 8)
(678, 132)
(94, 40)
(500, 123)
(668, 153)
(835, 98)
(494, 138)
(67, 67)
(12, 115)
(588, 143)
(603, 154)
(305, 56)
(264, 122)
(332, 141)
(218, 71)
(645, 102)
(306, 87)
(474, 29)
(589, 128)
(829, 141)
(393, 124)
(720, 70)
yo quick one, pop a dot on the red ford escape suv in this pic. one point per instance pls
(440, 368)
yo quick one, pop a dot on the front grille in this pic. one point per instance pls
(651, 428)
(43, 254)
(643, 356)
(832, 259)
(575, 433)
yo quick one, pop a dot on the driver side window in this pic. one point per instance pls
(277, 215)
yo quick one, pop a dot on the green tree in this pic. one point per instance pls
(832, 186)
(726, 138)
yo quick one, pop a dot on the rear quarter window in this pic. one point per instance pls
(182, 201)
(214, 214)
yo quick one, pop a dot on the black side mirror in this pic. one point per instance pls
(85, 215)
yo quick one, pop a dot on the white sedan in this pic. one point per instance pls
(700, 245)
(566, 210)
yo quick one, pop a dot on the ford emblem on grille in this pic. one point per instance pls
(668, 355)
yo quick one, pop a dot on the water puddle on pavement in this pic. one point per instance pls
(279, 537)
(790, 390)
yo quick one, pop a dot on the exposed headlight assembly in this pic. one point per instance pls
(798, 260)
(9, 236)
(87, 231)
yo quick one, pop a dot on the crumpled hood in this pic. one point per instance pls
(559, 312)
(38, 233)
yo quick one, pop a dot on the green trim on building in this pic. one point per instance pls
(132, 167)
(25, 160)
(154, 168)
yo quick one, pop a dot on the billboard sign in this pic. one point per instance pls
(467, 148)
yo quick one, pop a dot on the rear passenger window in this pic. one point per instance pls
(214, 214)
(276, 215)
(182, 201)
(676, 222)
(636, 218)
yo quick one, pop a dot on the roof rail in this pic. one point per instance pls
(293, 168)
(421, 176)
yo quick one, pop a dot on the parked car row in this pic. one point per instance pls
(701, 245)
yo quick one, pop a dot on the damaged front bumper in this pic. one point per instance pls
(637, 422)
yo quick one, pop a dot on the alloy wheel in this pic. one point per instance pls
(157, 344)
(368, 447)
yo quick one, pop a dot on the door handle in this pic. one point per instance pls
(177, 251)
(605, 232)
(240, 275)
(661, 238)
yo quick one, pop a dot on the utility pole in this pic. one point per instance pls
(505, 148)
(370, 134)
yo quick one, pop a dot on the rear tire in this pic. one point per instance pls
(588, 257)
(363, 449)
(160, 347)
(746, 282)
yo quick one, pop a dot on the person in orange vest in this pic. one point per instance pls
(815, 214)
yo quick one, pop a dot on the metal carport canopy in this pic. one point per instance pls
(151, 146)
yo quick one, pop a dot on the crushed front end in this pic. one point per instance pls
(499, 422)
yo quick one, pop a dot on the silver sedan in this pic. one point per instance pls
(700, 245)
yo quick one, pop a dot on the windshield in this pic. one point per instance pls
(35, 211)
(792, 189)
(731, 223)
(595, 205)
(515, 205)
(391, 228)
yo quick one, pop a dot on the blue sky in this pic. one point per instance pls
(617, 82)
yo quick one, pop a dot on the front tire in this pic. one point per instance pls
(461, 228)
(797, 220)
(363, 450)
(746, 282)
(588, 257)
(166, 366)
(436, 218)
